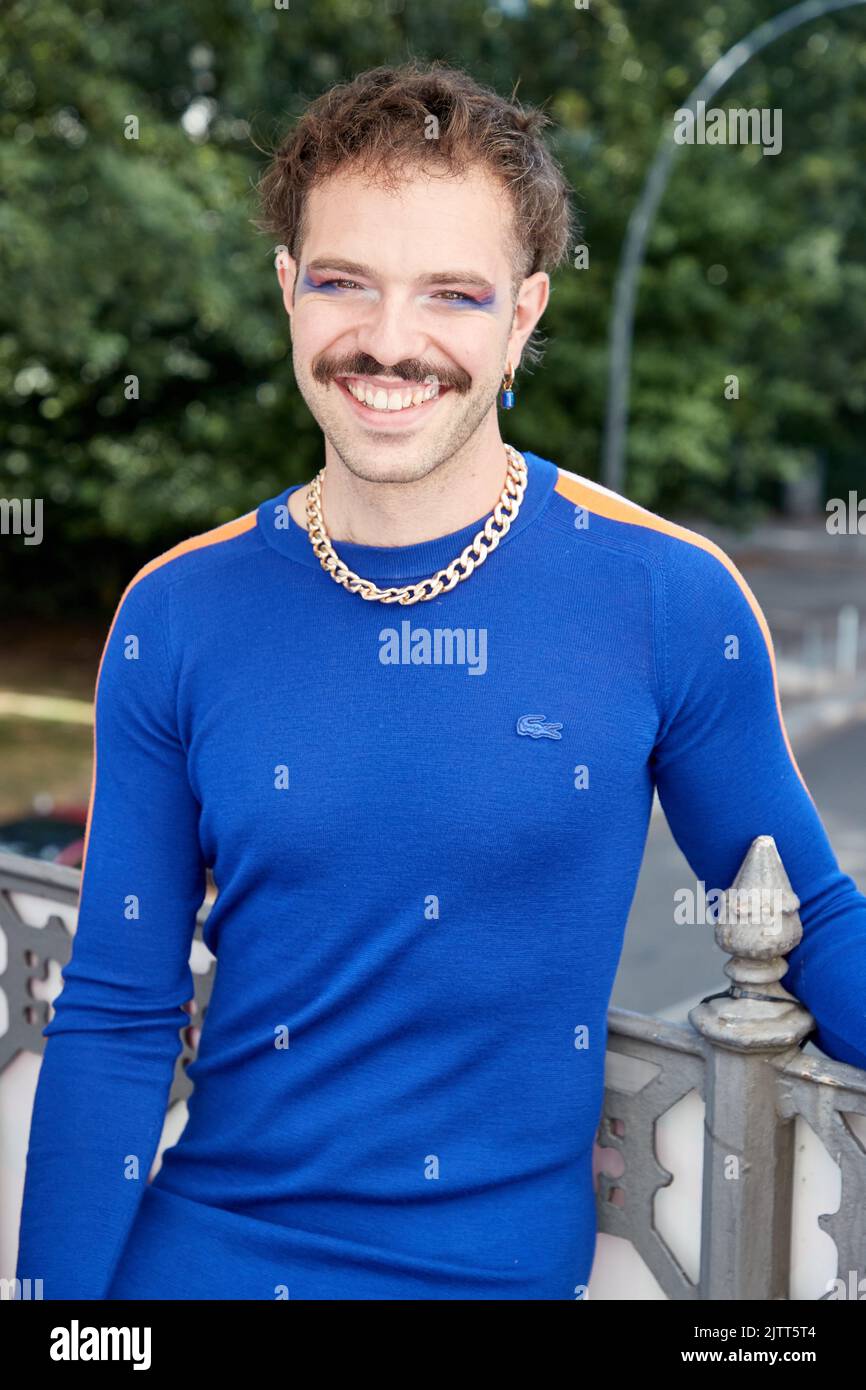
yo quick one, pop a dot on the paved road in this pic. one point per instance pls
(801, 576)
(663, 963)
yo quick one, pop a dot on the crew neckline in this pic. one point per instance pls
(279, 528)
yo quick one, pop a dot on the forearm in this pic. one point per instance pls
(97, 1118)
(827, 971)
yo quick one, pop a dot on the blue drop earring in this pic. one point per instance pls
(507, 398)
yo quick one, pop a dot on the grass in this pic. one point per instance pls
(40, 756)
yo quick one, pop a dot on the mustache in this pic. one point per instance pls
(326, 369)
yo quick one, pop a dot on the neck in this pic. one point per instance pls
(462, 489)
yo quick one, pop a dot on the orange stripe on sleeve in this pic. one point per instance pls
(594, 498)
(213, 537)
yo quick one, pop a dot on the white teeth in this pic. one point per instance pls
(380, 399)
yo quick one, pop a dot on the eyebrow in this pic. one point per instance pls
(439, 277)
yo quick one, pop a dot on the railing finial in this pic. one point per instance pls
(757, 925)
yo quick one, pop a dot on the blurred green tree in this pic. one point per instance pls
(145, 360)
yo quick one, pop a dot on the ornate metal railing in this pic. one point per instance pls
(740, 1053)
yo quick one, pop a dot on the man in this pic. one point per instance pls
(412, 715)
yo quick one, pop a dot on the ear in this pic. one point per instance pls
(287, 271)
(531, 303)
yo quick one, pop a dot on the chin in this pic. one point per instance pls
(374, 464)
(385, 459)
(394, 456)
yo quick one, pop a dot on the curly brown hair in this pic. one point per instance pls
(380, 123)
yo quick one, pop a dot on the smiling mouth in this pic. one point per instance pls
(398, 399)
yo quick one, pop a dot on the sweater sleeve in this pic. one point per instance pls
(113, 1040)
(725, 773)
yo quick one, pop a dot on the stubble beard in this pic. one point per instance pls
(413, 459)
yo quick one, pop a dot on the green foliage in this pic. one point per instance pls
(136, 257)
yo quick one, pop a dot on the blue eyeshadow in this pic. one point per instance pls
(489, 303)
(309, 286)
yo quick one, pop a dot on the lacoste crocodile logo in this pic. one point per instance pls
(534, 726)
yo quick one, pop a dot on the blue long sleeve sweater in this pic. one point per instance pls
(426, 826)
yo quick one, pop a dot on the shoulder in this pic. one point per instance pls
(627, 522)
(200, 556)
(691, 564)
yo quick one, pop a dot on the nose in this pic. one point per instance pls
(388, 331)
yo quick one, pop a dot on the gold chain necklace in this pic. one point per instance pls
(498, 525)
